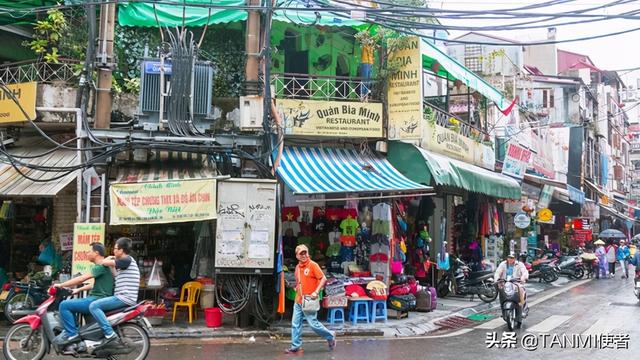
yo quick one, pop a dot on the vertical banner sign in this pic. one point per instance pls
(516, 161)
(405, 92)
(25, 93)
(545, 197)
(83, 235)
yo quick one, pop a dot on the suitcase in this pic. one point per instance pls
(402, 302)
(434, 297)
(423, 301)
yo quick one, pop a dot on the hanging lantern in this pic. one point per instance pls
(435, 67)
(457, 84)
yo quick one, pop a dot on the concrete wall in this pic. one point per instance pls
(64, 213)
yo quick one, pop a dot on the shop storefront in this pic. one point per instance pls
(168, 211)
(466, 214)
(354, 211)
(34, 213)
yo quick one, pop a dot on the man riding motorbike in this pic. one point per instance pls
(512, 269)
(126, 288)
(101, 288)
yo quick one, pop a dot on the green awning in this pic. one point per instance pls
(144, 14)
(21, 12)
(453, 70)
(425, 167)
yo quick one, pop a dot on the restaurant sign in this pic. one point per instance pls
(163, 202)
(405, 92)
(331, 118)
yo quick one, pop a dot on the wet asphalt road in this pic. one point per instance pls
(598, 307)
(604, 309)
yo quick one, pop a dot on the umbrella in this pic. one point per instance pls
(599, 242)
(612, 234)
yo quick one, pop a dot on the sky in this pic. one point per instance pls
(610, 53)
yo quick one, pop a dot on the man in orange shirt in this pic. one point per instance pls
(310, 280)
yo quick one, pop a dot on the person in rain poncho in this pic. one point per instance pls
(601, 254)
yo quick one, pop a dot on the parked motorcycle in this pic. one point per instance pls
(570, 266)
(512, 313)
(22, 299)
(33, 336)
(460, 280)
(541, 270)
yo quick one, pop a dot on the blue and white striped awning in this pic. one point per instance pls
(313, 170)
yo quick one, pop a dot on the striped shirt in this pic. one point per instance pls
(127, 280)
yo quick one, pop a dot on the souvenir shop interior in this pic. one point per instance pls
(361, 241)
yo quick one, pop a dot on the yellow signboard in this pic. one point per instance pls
(163, 202)
(331, 118)
(405, 92)
(545, 215)
(456, 146)
(25, 93)
(84, 234)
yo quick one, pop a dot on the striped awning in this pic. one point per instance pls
(314, 170)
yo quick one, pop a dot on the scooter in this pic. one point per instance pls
(467, 283)
(22, 299)
(541, 270)
(570, 266)
(33, 336)
(512, 313)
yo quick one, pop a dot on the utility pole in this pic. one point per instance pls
(105, 65)
(252, 48)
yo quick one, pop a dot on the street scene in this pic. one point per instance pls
(327, 179)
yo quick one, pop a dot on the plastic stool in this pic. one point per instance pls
(332, 315)
(378, 310)
(359, 311)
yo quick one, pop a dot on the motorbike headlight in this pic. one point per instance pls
(509, 289)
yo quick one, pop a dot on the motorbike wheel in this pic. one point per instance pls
(18, 302)
(22, 342)
(511, 320)
(577, 274)
(549, 276)
(492, 294)
(135, 337)
(443, 288)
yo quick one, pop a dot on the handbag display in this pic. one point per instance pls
(309, 304)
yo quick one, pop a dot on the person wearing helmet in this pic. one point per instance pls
(512, 269)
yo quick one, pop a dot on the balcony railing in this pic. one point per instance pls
(442, 118)
(319, 87)
(39, 71)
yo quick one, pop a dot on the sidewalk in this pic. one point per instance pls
(451, 312)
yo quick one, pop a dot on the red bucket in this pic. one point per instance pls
(213, 317)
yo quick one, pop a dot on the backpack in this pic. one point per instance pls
(402, 302)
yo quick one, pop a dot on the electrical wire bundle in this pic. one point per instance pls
(236, 292)
(179, 107)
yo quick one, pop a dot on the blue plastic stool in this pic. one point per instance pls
(359, 311)
(378, 310)
(332, 315)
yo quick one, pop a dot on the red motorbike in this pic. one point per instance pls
(33, 336)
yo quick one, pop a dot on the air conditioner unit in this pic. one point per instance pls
(149, 103)
(251, 112)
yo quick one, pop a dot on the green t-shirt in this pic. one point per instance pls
(103, 285)
(349, 227)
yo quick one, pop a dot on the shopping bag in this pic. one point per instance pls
(155, 279)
